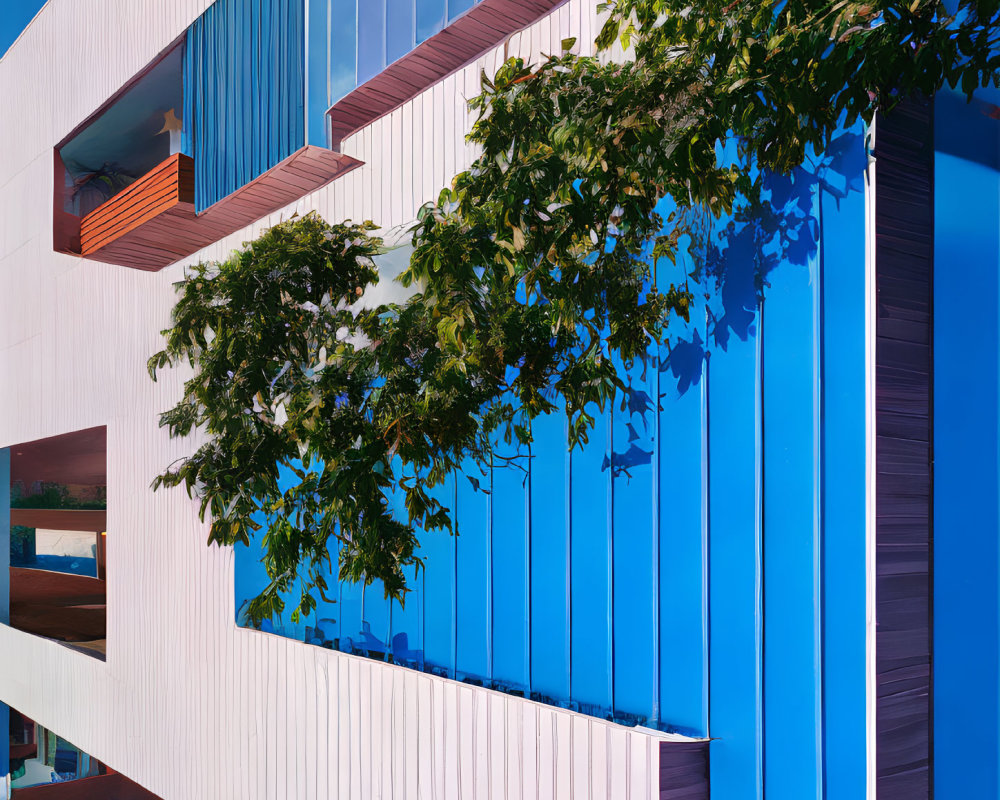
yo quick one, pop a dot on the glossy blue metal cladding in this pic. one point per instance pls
(842, 503)
(244, 92)
(699, 566)
(966, 447)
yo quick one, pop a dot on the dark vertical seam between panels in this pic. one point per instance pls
(454, 585)
(527, 582)
(489, 576)
(657, 576)
(930, 456)
(569, 568)
(820, 338)
(611, 559)
(904, 266)
(759, 547)
(706, 533)
(706, 539)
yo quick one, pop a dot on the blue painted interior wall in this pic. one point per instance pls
(700, 565)
(966, 446)
(244, 92)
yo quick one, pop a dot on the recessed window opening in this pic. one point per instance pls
(38, 758)
(131, 139)
(58, 539)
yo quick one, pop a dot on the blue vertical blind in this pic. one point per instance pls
(244, 92)
(702, 542)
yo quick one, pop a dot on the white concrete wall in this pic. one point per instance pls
(183, 690)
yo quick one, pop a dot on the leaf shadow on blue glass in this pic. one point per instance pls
(730, 265)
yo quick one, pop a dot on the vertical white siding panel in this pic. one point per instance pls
(450, 131)
(436, 717)
(433, 134)
(395, 146)
(481, 743)
(375, 164)
(564, 760)
(544, 44)
(546, 754)
(529, 750)
(367, 723)
(353, 700)
(415, 155)
(319, 754)
(497, 751)
(618, 763)
(467, 741)
(427, 746)
(387, 744)
(346, 731)
(580, 753)
(599, 780)
(413, 735)
(451, 743)
(512, 745)
(397, 713)
(638, 768)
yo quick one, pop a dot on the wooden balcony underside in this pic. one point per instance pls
(153, 222)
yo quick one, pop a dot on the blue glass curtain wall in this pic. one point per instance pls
(260, 75)
(351, 42)
(709, 541)
(244, 92)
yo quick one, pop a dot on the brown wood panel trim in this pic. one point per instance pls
(482, 27)
(904, 267)
(152, 194)
(158, 200)
(164, 185)
(158, 235)
(684, 770)
(60, 519)
(166, 172)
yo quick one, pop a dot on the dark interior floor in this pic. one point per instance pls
(68, 608)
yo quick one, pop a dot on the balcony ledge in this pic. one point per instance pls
(153, 223)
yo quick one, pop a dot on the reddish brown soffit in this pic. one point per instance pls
(152, 223)
(77, 459)
(481, 28)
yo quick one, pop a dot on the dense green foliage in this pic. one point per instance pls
(57, 495)
(529, 274)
